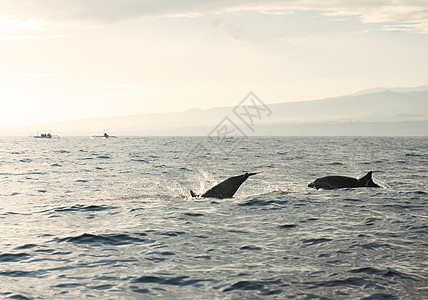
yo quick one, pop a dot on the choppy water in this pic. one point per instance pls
(111, 219)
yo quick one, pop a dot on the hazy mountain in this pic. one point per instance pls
(379, 112)
(383, 106)
(398, 90)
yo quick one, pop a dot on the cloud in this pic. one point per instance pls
(293, 40)
(30, 37)
(9, 24)
(40, 75)
(234, 33)
(18, 37)
(412, 13)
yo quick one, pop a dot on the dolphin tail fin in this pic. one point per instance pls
(255, 173)
(367, 180)
(192, 193)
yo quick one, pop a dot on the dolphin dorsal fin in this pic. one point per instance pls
(367, 180)
(368, 176)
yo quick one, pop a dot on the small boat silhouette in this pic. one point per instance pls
(45, 136)
(104, 136)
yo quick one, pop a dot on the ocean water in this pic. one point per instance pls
(112, 219)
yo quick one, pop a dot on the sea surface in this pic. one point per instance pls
(112, 218)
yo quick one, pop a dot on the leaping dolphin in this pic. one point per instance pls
(338, 182)
(225, 189)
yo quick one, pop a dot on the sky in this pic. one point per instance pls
(71, 59)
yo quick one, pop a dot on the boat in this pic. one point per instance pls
(45, 136)
(104, 136)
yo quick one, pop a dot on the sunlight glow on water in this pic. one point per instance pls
(113, 219)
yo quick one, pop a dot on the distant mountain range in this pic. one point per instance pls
(383, 112)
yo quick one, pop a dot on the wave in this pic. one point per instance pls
(139, 160)
(26, 246)
(15, 296)
(62, 151)
(102, 239)
(373, 246)
(312, 242)
(13, 257)
(255, 285)
(260, 202)
(84, 208)
(350, 281)
(78, 208)
(388, 272)
(179, 281)
(193, 214)
(287, 226)
(378, 296)
(414, 154)
(172, 233)
(251, 248)
(14, 273)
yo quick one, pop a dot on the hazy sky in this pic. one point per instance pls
(67, 59)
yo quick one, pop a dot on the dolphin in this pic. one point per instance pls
(225, 189)
(338, 182)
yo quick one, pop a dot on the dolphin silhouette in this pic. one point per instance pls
(225, 189)
(338, 182)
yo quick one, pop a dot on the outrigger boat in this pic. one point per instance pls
(104, 136)
(45, 136)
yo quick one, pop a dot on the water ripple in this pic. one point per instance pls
(12, 257)
(388, 272)
(311, 242)
(255, 285)
(180, 280)
(102, 239)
